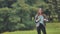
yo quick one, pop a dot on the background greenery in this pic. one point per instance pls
(19, 14)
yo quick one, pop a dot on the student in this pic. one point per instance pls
(39, 19)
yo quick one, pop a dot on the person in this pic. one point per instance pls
(39, 20)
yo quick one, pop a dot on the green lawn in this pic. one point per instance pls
(51, 28)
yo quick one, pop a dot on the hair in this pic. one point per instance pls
(40, 11)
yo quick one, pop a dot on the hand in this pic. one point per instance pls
(45, 19)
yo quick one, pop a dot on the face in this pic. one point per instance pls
(40, 11)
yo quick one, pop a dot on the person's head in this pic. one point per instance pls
(40, 11)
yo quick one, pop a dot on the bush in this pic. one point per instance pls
(29, 25)
(20, 26)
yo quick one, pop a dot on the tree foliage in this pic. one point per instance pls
(19, 14)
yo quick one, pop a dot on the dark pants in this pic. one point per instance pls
(41, 28)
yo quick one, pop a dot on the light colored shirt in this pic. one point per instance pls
(41, 19)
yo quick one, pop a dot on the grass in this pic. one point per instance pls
(51, 28)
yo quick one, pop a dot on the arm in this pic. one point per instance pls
(36, 19)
